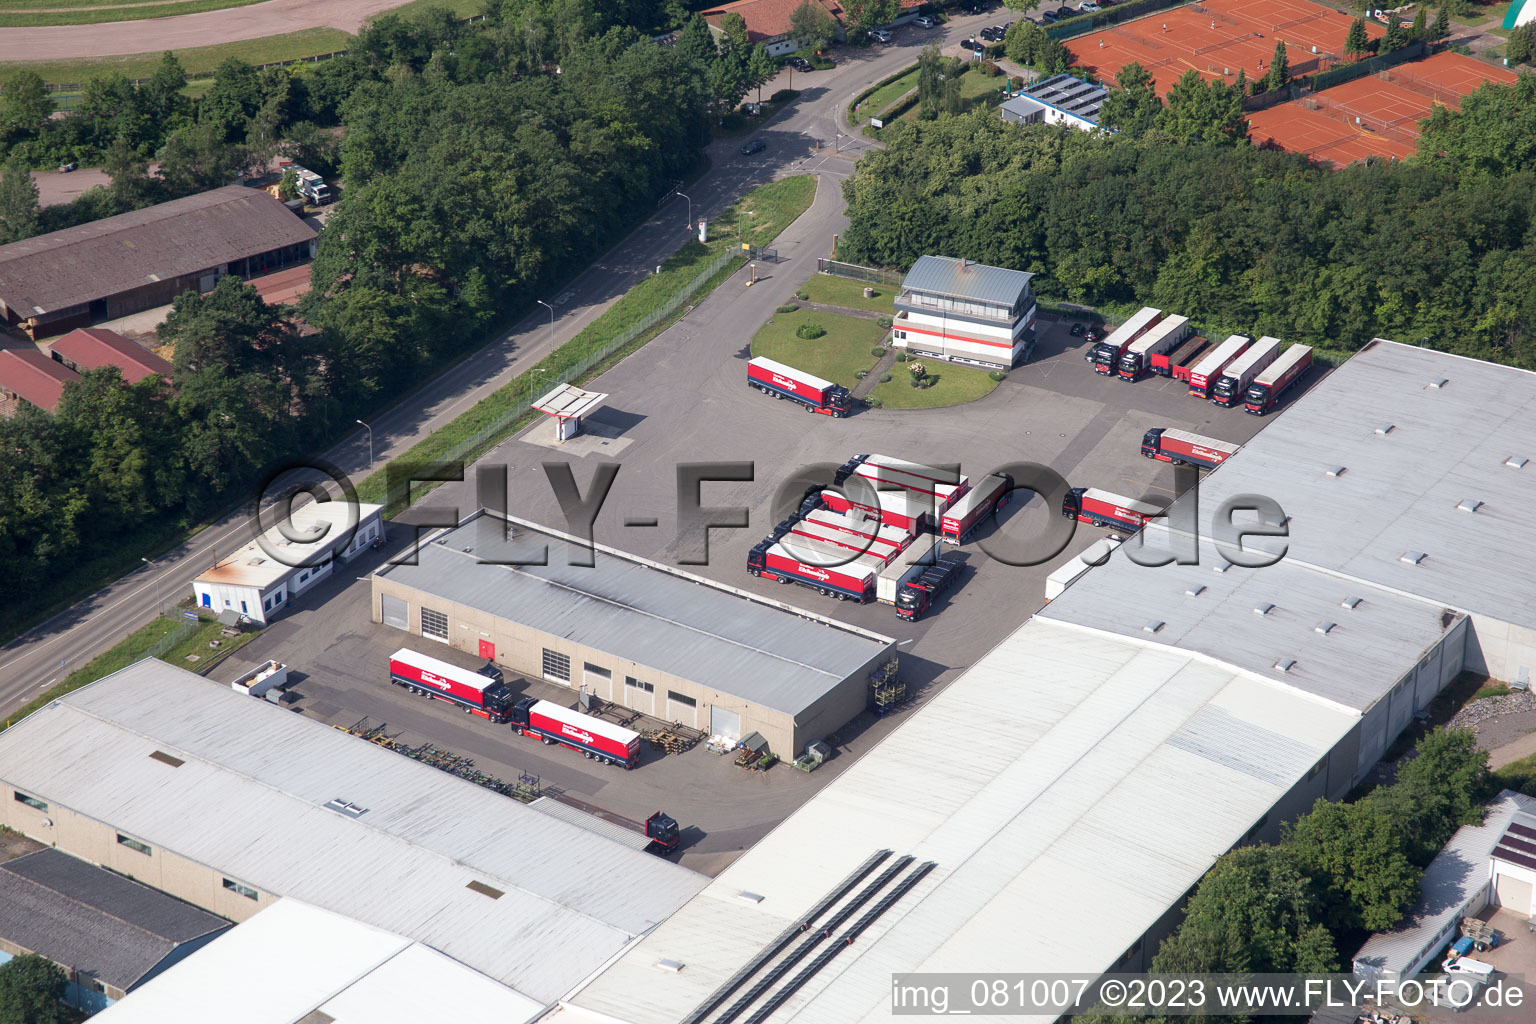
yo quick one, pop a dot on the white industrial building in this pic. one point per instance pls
(1059, 99)
(261, 578)
(964, 312)
(296, 962)
(232, 803)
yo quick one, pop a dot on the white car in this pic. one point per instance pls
(924, 21)
(1089, 7)
(880, 35)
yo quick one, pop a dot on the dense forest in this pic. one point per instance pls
(1179, 211)
(482, 164)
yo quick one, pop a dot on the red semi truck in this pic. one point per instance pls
(1101, 508)
(820, 535)
(1182, 448)
(1210, 368)
(1181, 361)
(1231, 386)
(1160, 339)
(592, 737)
(965, 515)
(853, 580)
(1268, 386)
(915, 596)
(482, 692)
(780, 381)
(1106, 354)
(869, 531)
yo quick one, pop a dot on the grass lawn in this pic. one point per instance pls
(459, 8)
(841, 291)
(884, 96)
(976, 87)
(79, 15)
(956, 386)
(1483, 13)
(199, 60)
(1518, 775)
(837, 355)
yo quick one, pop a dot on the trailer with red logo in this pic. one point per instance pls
(1231, 386)
(481, 692)
(989, 495)
(847, 579)
(1268, 386)
(591, 737)
(1161, 339)
(910, 564)
(1106, 354)
(1209, 369)
(901, 509)
(871, 534)
(1182, 360)
(872, 466)
(780, 381)
(1183, 448)
(1101, 508)
(849, 544)
(882, 477)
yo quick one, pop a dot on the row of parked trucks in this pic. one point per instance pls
(1238, 371)
(860, 543)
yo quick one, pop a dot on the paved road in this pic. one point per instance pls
(43, 656)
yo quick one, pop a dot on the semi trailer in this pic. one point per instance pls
(852, 580)
(657, 834)
(881, 478)
(592, 737)
(989, 495)
(1233, 383)
(1183, 448)
(1268, 386)
(1106, 354)
(874, 535)
(1160, 339)
(480, 692)
(780, 381)
(918, 556)
(901, 509)
(1180, 362)
(820, 536)
(915, 596)
(1101, 508)
(1210, 368)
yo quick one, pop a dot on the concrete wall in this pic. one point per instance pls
(1501, 649)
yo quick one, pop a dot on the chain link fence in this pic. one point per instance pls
(854, 272)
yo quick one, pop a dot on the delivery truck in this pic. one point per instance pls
(1101, 508)
(481, 692)
(1210, 368)
(1064, 575)
(919, 555)
(780, 381)
(1183, 448)
(593, 738)
(851, 580)
(1277, 378)
(657, 834)
(1182, 360)
(990, 494)
(1233, 383)
(1106, 354)
(1160, 339)
(915, 596)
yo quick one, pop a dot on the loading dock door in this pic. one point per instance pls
(724, 723)
(395, 611)
(1515, 894)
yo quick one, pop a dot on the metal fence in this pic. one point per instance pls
(855, 272)
(1072, 27)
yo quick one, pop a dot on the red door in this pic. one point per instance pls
(487, 650)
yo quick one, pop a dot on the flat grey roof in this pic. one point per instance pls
(92, 919)
(962, 279)
(1069, 94)
(1410, 453)
(656, 616)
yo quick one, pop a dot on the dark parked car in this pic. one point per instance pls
(1064, 12)
(1048, 17)
(991, 35)
(1077, 330)
(801, 64)
(1091, 337)
(755, 146)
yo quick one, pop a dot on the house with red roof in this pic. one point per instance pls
(27, 374)
(767, 21)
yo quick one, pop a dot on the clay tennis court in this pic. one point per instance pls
(1377, 115)
(1217, 37)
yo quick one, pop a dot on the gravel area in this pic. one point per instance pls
(1498, 720)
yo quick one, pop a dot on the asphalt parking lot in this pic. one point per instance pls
(683, 399)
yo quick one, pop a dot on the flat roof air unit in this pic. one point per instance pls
(1469, 505)
(1412, 557)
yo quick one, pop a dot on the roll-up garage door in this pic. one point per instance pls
(724, 723)
(1515, 894)
(395, 611)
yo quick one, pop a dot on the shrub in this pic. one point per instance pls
(918, 371)
(877, 351)
(998, 375)
(803, 295)
(991, 68)
(860, 374)
(884, 321)
(873, 403)
(916, 383)
(885, 379)
(788, 307)
(902, 356)
(809, 331)
(1017, 83)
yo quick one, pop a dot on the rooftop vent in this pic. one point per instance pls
(1386, 428)
(1411, 557)
(256, 561)
(1263, 609)
(1324, 627)
(749, 897)
(485, 890)
(341, 806)
(1221, 566)
(1350, 602)
(1335, 471)
(1285, 664)
(164, 758)
(1195, 589)
(1438, 383)
(670, 965)
(1516, 461)
(1153, 625)
(1469, 505)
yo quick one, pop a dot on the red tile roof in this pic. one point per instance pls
(91, 347)
(33, 376)
(766, 19)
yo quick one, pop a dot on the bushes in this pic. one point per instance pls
(877, 351)
(885, 378)
(788, 307)
(784, 96)
(998, 375)
(884, 321)
(902, 356)
(809, 331)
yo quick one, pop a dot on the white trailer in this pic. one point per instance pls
(908, 565)
(1160, 339)
(1064, 575)
(266, 676)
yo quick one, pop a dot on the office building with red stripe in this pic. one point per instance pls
(964, 312)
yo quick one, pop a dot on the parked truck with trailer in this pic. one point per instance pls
(886, 479)
(894, 508)
(852, 580)
(1182, 360)
(915, 596)
(1233, 383)
(874, 535)
(1160, 339)
(810, 535)
(591, 737)
(817, 395)
(312, 186)
(918, 556)
(481, 692)
(1106, 354)
(1101, 508)
(987, 496)
(1277, 378)
(1210, 368)
(661, 829)
(1183, 448)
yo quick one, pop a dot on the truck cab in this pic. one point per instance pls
(915, 597)
(1225, 391)
(1104, 358)
(496, 699)
(1072, 502)
(1130, 366)
(1151, 442)
(838, 400)
(662, 829)
(1257, 398)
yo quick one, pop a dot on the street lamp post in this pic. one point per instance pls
(551, 319)
(370, 442)
(533, 380)
(689, 225)
(159, 606)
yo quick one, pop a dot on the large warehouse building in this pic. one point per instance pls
(1148, 720)
(635, 632)
(231, 803)
(136, 261)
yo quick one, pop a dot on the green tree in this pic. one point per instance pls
(1132, 108)
(288, 186)
(131, 188)
(695, 44)
(812, 25)
(1023, 40)
(761, 69)
(127, 437)
(1197, 111)
(1521, 48)
(938, 83)
(233, 100)
(863, 15)
(1420, 28)
(1022, 6)
(1354, 855)
(198, 158)
(1356, 42)
(162, 93)
(1446, 782)
(1279, 67)
(1394, 39)
(25, 107)
(32, 991)
(19, 210)
(229, 329)
(1442, 22)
